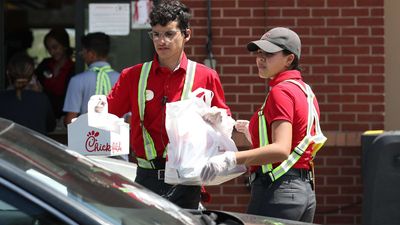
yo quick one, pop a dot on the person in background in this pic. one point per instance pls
(26, 107)
(19, 41)
(16, 40)
(98, 79)
(55, 72)
(285, 134)
(144, 90)
(33, 85)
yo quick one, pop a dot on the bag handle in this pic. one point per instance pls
(95, 118)
(204, 94)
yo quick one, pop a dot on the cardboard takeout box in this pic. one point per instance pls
(98, 133)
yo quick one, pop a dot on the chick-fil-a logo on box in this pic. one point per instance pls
(93, 145)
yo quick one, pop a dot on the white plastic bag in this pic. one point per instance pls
(192, 141)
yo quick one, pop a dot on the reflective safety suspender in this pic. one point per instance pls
(316, 140)
(103, 83)
(148, 143)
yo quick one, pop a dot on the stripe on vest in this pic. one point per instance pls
(148, 142)
(316, 140)
(103, 83)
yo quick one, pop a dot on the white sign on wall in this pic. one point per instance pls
(112, 19)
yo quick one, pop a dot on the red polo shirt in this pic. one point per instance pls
(286, 101)
(57, 85)
(164, 84)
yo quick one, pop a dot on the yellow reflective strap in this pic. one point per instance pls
(310, 103)
(312, 112)
(103, 83)
(144, 74)
(144, 163)
(98, 84)
(294, 156)
(107, 82)
(266, 168)
(262, 130)
(189, 79)
(263, 133)
(165, 152)
(263, 136)
(262, 125)
(317, 140)
(148, 142)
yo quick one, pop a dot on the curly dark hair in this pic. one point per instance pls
(170, 10)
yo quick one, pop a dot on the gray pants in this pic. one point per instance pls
(289, 197)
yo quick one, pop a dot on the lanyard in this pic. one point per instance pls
(103, 83)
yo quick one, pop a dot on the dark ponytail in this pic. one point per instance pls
(295, 63)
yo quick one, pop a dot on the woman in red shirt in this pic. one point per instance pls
(284, 132)
(55, 72)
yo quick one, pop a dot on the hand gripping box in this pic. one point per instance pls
(98, 133)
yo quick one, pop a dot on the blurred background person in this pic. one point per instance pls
(33, 84)
(21, 105)
(17, 40)
(55, 72)
(98, 79)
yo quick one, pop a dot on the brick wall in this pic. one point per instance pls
(343, 60)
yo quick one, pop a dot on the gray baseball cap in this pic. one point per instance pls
(277, 39)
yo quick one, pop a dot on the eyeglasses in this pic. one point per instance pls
(264, 55)
(167, 35)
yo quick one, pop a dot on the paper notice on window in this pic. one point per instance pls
(112, 19)
(140, 13)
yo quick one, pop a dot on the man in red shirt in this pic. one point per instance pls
(145, 94)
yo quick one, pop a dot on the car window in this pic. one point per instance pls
(16, 210)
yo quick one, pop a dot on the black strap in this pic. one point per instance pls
(304, 174)
(156, 174)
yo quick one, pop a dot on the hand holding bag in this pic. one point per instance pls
(192, 140)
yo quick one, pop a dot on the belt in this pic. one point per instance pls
(304, 174)
(155, 164)
(154, 173)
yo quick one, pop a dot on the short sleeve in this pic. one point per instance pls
(280, 105)
(73, 98)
